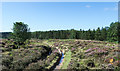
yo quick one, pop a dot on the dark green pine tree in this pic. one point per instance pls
(72, 34)
(113, 32)
(98, 34)
(77, 34)
(103, 34)
(93, 34)
(118, 34)
(89, 34)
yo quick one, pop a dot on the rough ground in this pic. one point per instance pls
(84, 54)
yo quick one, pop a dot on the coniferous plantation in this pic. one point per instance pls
(62, 49)
(108, 33)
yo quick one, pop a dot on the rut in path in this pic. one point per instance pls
(58, 64)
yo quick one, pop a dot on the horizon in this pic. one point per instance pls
(60, 30)
(46, 16)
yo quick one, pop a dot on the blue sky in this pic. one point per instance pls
(44, 16)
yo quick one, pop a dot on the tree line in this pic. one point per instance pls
(111, 33)
(103, 34)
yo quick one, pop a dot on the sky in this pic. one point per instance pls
(60, 0)
(45, 16)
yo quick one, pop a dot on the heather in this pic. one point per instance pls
(45, 54)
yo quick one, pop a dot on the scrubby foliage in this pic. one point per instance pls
(44, 54)
(34, 56)
(87, 54)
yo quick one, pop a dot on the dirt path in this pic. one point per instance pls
(59, 66)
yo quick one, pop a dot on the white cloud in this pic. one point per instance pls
(115, 8)
(111, 9)
(88, 6)
(106, 9)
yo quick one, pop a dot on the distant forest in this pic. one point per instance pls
(111, 33)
